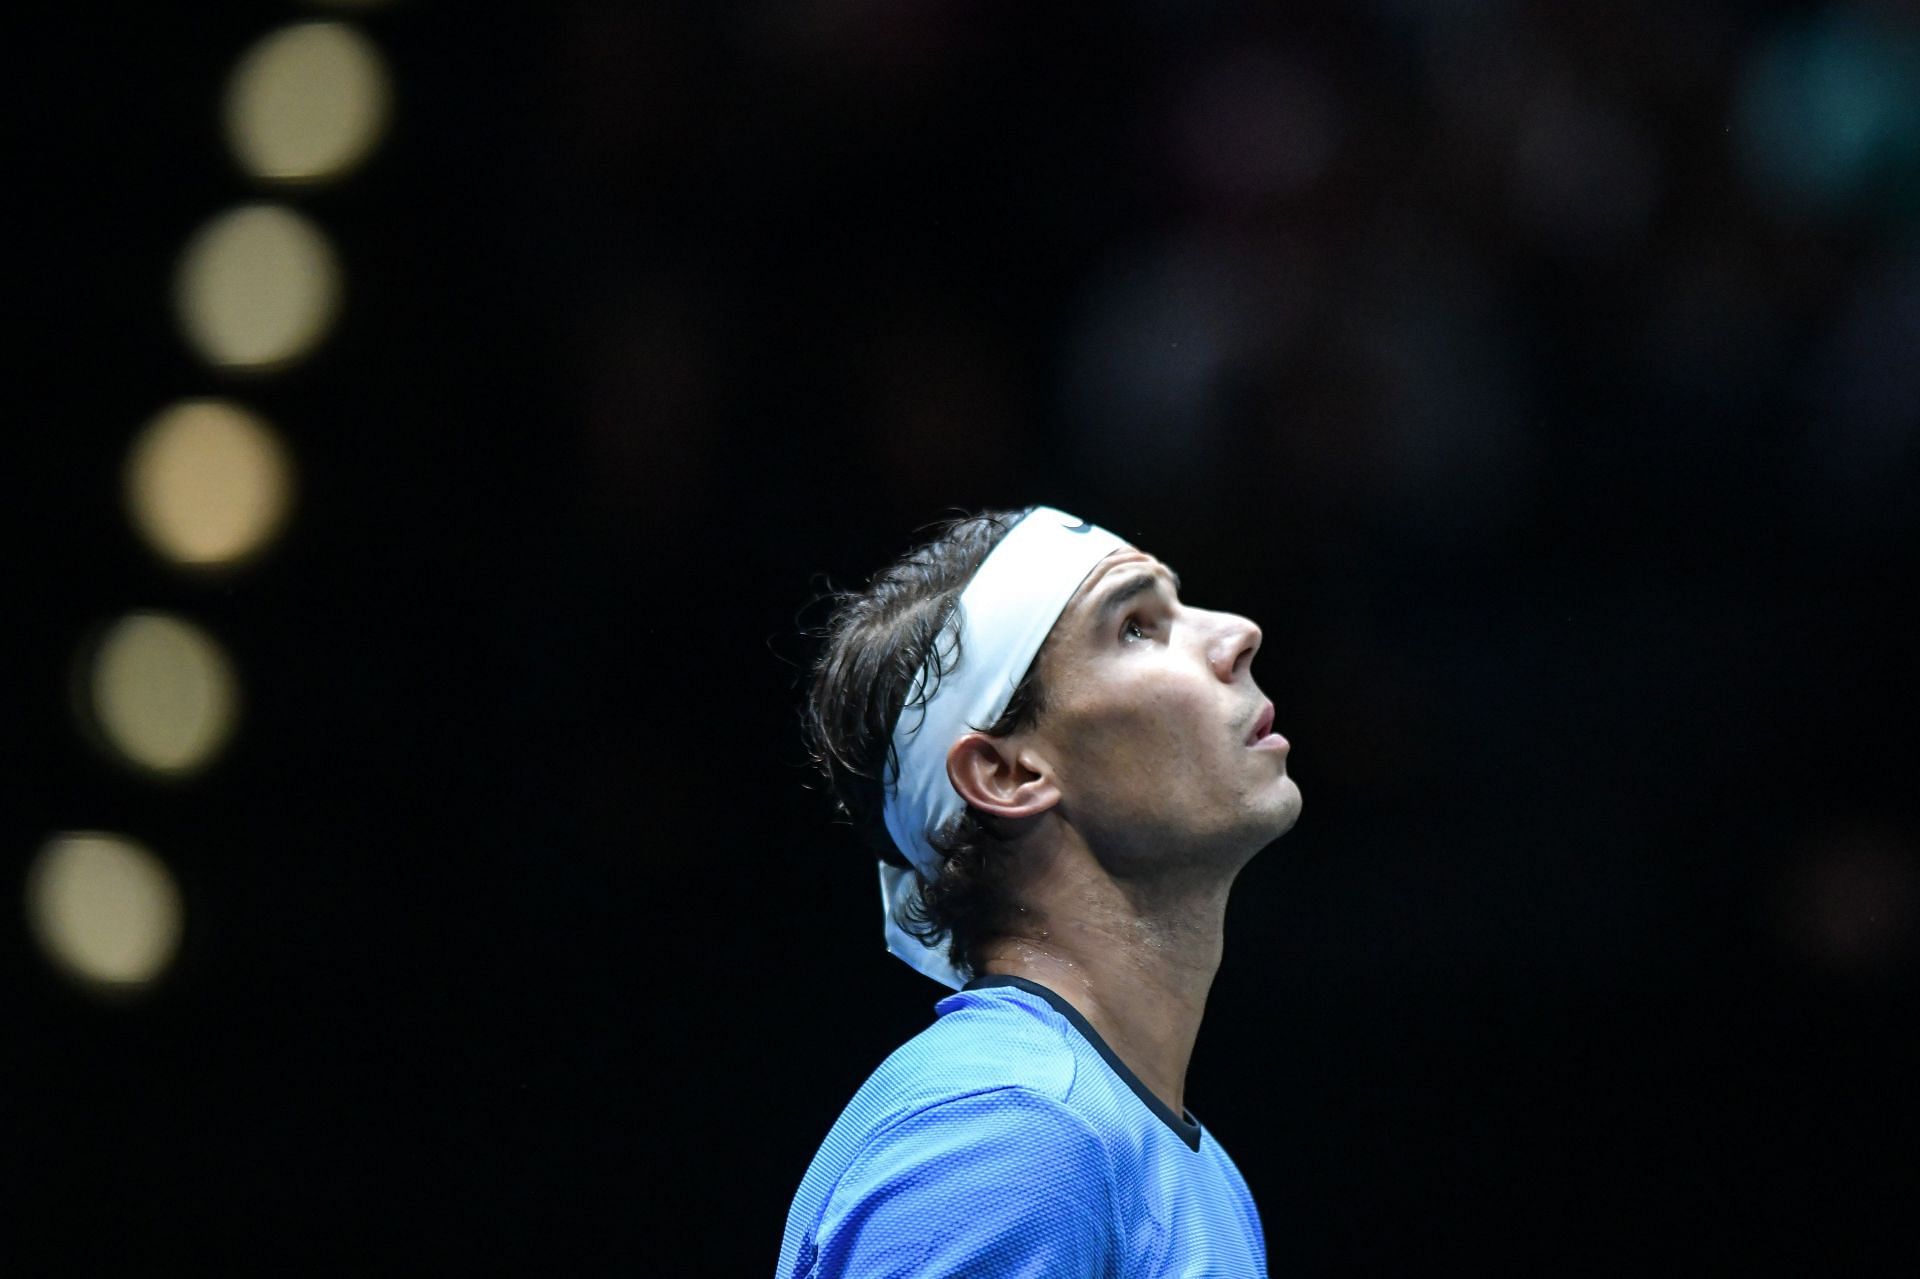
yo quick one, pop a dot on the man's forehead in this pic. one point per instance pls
(1127, 561)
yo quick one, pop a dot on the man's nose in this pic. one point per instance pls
(1234, 647)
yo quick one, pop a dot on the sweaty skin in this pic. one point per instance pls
(1146, 783)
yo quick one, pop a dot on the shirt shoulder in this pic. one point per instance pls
(984, 1097)
(983, 1040)
(997, 1181)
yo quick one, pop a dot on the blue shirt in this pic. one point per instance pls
(1006, 1139)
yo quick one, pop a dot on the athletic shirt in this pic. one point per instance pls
(1008, 1139)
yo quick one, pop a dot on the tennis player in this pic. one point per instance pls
(1062, 767)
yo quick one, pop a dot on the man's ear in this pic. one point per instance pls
(991, 775)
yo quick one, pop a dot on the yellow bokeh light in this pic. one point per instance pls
(307, 102)
(208, 484)
(104, 909)
(258, 286)
(161, 692)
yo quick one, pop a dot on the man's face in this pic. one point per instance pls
(1159, 738)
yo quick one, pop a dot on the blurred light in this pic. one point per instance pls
(307, 102)
(104, 909)
(1828, 111)
(162, 693)
(257, 286)
(208, 483)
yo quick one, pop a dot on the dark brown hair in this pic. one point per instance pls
(873, 647)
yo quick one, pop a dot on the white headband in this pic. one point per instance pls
(1003, 617)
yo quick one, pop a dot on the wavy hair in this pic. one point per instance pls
(873, 646)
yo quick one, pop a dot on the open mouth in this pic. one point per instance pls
(1262, 724)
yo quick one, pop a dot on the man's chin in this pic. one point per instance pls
(1288, 811)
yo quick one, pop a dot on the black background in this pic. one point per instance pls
(1580, 516)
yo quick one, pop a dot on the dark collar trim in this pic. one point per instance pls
(1186, 1128)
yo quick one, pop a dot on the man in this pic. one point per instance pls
(1063, 767)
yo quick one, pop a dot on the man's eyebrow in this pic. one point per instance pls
(1136, 585)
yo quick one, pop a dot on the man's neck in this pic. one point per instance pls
(1140, 977)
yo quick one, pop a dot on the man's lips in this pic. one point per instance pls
(1262, 724)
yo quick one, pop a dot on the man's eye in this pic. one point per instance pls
(1133, 629)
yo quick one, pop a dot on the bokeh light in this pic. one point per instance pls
(161, 693)
(258, 286)
(208, 484)
(104, 909)
(1828, 113)
(307, 102)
